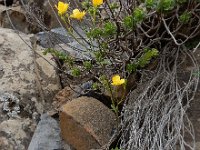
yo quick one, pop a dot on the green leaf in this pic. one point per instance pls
(166, 5)
(103, 80)
(129, 22)
(76, 72)
(181, 1)
(185, 17)
(86, 4)
(109, 29)
(146, 57)
(131, 67)
(114, 5)
(92, 10)
(95, 86)
(114, 108)
(99, 56)
(116, 148)
(95, 33)
(138, 15)
(60, 55)
(87, 65)
(104, 45)
(150, 3)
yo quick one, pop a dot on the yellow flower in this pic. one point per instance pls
(77, 14)
(62, 7)
(96, 3)
(117, 81)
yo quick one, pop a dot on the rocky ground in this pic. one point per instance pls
(28, 84)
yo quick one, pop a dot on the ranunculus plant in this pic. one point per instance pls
(121, 41)
(109, 43)
(137, 53)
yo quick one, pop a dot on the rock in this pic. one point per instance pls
(51, 38)
(24, 73)
(86, 123)
(47, 135)
(16, 20)
(38, 13)
(69, 93)
(28, 16)
(43, 11)
(6, 2)
(10, 105)
(63, 96)
(15, 134)
(28, 85)
(75, 50)
(197, 145)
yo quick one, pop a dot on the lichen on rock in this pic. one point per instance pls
(10, 104)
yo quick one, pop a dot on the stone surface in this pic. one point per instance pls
(46, 11)
(75, 50)
(63, 96)
(86, 123)
(46, 135)
(27, 16)
(16, 16)
(10, 105)
(28, 81)
(24, 73)
(6, 2)
(15, 134)
(68, 93)
(51, 38)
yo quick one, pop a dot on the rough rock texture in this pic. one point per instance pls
(51, 38)
(86, 123)
(47, 135)
(27, 16)
(63, 96)
(30, 79)
(7, 2)
(16, 16)
(15, 134)
(71, 92)
(23, 72)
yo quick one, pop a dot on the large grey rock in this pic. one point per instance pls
(51, 38)
(28, 16)
(27, 85)
(15, 134)
(47, 135)
(86, 123)
(30, 76)
(15, 18)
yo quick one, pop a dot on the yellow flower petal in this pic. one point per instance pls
(62, 7)
(77, 14)
(96, 3)
(116, 81)
(115, 78)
